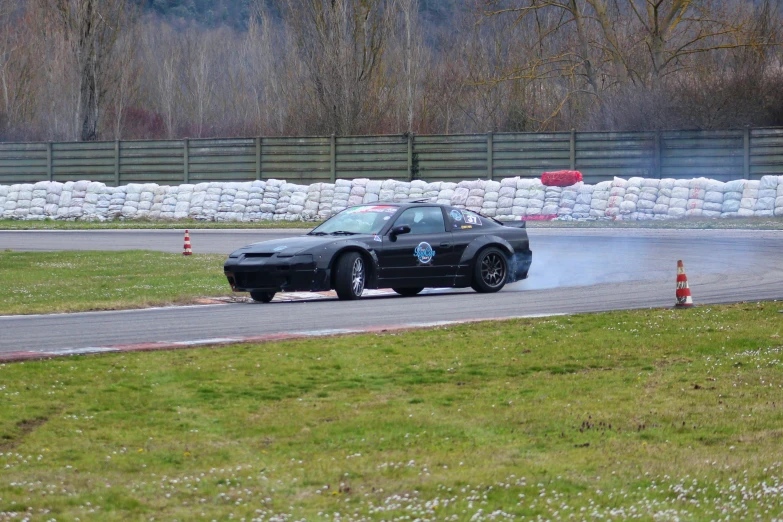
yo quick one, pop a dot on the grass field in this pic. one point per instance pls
(655, 415)
(47, 282)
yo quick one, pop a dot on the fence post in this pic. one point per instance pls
(573, 149)
(657, 171)
(333, 158)
(116, 163)
(490, 159)
(746, 158)
(49, 171)
(410, 156)
(186, 158)
(258, 158)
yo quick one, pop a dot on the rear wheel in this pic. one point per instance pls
(490, 271)
(262, 296)
(408, 292)
(350, 275)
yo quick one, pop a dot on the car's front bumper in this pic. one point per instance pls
(297, 273)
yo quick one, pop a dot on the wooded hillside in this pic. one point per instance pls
(111, 69)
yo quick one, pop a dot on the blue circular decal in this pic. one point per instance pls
(456, 215)
(424, 253)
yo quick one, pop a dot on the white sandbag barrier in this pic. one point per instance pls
(507, 199)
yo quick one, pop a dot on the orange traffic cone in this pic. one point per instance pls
(684, 299)
(187, 250)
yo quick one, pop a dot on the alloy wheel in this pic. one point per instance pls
(493, 270)
(357, 276)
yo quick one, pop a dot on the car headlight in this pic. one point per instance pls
(288, 253)
(302, 259)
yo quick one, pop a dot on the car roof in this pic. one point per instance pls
(424, 202)
(406, 203)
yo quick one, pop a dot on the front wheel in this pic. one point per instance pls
(408, 292)
(490, 271)
(262, 296)
(349, 276)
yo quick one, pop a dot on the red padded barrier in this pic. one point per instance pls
(561, 178)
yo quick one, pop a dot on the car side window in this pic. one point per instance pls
(423, 220)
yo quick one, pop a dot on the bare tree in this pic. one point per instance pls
(551, 23)
(57, 87)
(443, 92)
(92, 28)
(83, 69)
(126, 78)
(602, 48)
(16, 67)
(726, 87)
(341, 43)
(200, 47)
(267, 70)
(163, 55)
(413, 56)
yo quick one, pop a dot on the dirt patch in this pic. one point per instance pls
(662, 363)
(25, 427)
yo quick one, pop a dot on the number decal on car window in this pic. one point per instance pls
(471, 218)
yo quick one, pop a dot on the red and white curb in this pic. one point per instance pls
(223, 341)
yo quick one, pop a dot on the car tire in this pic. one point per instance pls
(262, 296)
(408, 292)
(350, 276)
(490, 271)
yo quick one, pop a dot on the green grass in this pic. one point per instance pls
(47, 282)
(662, 414)
(51, 224)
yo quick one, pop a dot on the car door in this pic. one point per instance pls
(465, 225)
(423, 257)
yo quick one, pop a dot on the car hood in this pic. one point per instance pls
(295, 245)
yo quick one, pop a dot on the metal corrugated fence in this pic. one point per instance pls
(722, 155)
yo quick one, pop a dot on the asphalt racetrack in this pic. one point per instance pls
(584, 270)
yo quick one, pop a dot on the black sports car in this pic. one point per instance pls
(403, 246)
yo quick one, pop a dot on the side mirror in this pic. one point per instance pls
(400, 229)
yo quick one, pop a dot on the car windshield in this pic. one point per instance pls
(357, 220)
